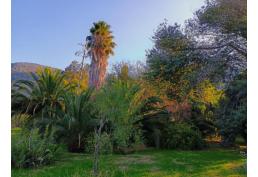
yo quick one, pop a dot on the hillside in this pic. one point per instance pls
(22, 70)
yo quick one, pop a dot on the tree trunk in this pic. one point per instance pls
(97, 71)
(96, 151)
(79, 140)
(82, 67)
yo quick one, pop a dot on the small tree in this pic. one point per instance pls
(118, 103)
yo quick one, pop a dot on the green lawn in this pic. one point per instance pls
(150, 163)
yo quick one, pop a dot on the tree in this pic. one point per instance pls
(117, 103)
(232, 113)
(230, 16)
(218, 31)
(171, 68)
(205, 99)
(100, 45)
(77, 75)
(211, 46)
(134, 70)
(42, 97)
(77, 119)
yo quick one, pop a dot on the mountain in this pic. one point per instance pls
(22, 70)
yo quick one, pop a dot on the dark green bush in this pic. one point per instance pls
(181, 136)
(32, 149)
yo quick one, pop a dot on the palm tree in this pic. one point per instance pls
(41, 97)
(100, 45)
(77, 119)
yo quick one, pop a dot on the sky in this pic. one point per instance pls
(48, 31)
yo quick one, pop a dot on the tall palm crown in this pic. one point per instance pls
(100, 45)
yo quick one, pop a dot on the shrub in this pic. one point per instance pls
(32, 149)
(119, 103)
(106, 146)
(77, 120)
(181, 136)
(20, 120)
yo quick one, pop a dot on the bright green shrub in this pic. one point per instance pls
(119, 103)
(32, 149)
(181, 136)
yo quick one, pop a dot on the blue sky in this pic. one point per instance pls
(48, 31)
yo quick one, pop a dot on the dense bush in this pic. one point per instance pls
(118, 103)
(76, 120)
(31, 149)
(232, 113)
(181, 136)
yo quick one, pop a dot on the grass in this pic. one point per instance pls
(149, 163)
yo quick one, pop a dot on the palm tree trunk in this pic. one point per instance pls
(97, 71)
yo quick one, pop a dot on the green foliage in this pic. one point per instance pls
(206, 93)
(124, 74)
(77, 120)
(228, 15)
(232, 113)
(172, 67)
(20, 120)
(119, 102)
(106, 144)
(205, 98)
(42, 97)
(181, 136)
(204, 121)
(31, 149)
(189, 68)
(155, 117)
(101, 38)
(76, 76)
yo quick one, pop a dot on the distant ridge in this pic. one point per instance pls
(22, 70)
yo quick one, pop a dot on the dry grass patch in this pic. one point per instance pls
(142, 159)
(125, 161)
